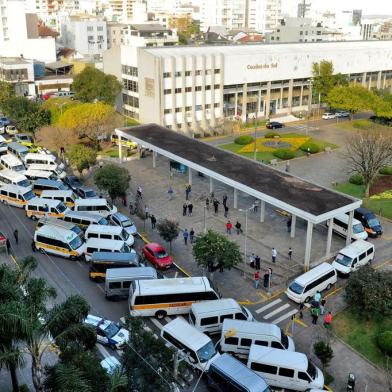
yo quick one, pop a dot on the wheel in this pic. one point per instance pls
(307, 299)
(5, 202)
(33, 217)
(42, 250)
(328, 287)
(160, 314)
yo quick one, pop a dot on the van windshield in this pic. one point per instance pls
(18, 168)
(358, 228)
(61, 207)
(76, 243)
(127, 223)
(23, 183)
(296, 288)
(77, 230)
(206, 352)
(124, 235)
(284, 339)
(312, 371)
(343, 259)
(161, 254)
(29, 195)
(103, 221)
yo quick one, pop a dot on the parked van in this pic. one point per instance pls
(253, 332)
(59, 241)
(11, 162)
(228, 374)
(60, 223)
(118, 280)
(97, 206)
(306, 285)
(18, 150)
(37, 208)
(340, 226)
(34, 175)
(99, 245)
(10, 177)
(17, 196)
(42, 159)
(84, 219)
(109, 233)
(124, 141)
(353, 256)
(67, 197)
(57, 171)
(103, 261)
(195, 347)
(63, 94)
(42, 184)
(208, 316)
(3, 145)
(285, 369)
(369, 221)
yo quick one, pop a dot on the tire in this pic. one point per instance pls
(5, 202)
(328, 287)
(160, 314)
(42, 250)
(34, 218)
(307, 299)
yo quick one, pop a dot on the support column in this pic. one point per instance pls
(244, 102)
(235, 103)
(364, 79)
(119, 149)
(211, 185)
(268, 100)
(262, 210)
(379, 80)
(290, 96)
(154, 159)
(350, 227)
(189, 176)
(235, 198)
(293, 224)
(308, 246)
(329, 237)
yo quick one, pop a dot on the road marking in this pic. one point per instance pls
(300, 322)
(270, 305)
(285, 316)
(333, 292)
(156, 323)
(382, 264)
(276, 311)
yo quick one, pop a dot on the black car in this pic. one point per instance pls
(274, 125)
(86, 193)
(369, 221)
(73, 182)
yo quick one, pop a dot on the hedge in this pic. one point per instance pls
(313, 147)
(243, 140)
(356, 179)
(283, 153)
(270, 135)
(387, 170)
(384, 342)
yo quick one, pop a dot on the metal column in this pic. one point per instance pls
(329, 237)
(308, 246)
(154, 159)
(119, 149)
(235, 198)
(211, 185)
(350, 227)
(189, 176)
(262, 210)
(293, 223)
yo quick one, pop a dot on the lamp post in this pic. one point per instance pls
(254, 148)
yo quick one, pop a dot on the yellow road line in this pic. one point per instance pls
(382, 264)
(183, 271)
(300, 322)
(14, 260)
(328, 388)
(333, 292)
(144, 239)
(264, 298)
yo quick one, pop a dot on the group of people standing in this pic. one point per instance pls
(317, 309)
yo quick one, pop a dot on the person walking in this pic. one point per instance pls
(8, 245)
(288, 223)
(252, 261)
(322, 306)
(290, 253)
(257, 262)
(192, 236)
(256, 277)
(185, 234)
(287, 169)
(315, 314)
(190, 209)
(216, 206)
(139, 192)
(238, 227)
(229, 226)
(301, 308)
(328, 320)
(266, 280)
(188, 191)
(317, 299)
(16, 236)
(226, 213)
(153, 221)
(224, 200)
(184, 209)
(274, 253)
(207, 203)
(170, 193)
(33, 248)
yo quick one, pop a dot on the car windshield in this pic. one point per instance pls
(206, 352)
(29, 195)
(18, 168)
(358, 228)
(61, 207)
(312, 371)
(24, 183)
(126, 223)
(76, 243)
(343, 260)
(111, 330)
(124, 235)
(373, 222)
(284, 339)
(161, 254)
(296, 288)
(103, 221)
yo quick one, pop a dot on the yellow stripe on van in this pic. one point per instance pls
(160, 306)
(29, 213)
(97, 274)
(14, 200)
(57, 248)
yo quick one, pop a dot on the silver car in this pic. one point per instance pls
(122, 220)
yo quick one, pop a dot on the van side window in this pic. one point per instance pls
(286, 372)
(13, 195)
(261, 343)
(115, 285)
(369, 251)
(127, 284)
(106, 236)
(172, 340)
(225, 316)
(232, 340)
(260, 367)
(209, 320)
(362, 256)
(276, 345)
(92, 235)
(240, 316)
(91, 250)
(246, 342)
(303, 376)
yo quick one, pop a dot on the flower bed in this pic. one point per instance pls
(271, 145)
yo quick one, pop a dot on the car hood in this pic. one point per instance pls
(121, 336)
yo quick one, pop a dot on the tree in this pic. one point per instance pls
(113, 179)
(369, 292)
(7, 91)
(92, 84)
(81, 157)
(323, 352)
(366, 153)
(53, 138)
(168, 229)
(58, 106)
(213, 250)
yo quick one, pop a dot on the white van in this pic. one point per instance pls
(109, 233)
(60, 223)
(306, 285)
(57, 171)
(208, 316)
(285, 369)
(84, 219)
(67, 197)
(34, 175)
(11, 162)
(340, 226)
(37, 208)
(17, 196)
(253, 332)
(99, 245)
(353, 256)
(195, 347)
(59, 241)
(97, 206)
(42, 159)
(10, 177)
(3, 145)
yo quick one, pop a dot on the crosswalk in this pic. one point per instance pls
(276, 311)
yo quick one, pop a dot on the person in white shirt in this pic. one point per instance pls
(274, 253)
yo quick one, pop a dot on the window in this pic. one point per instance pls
(187, 73)
(90, 38)
(208, 87)
(362, 256)
(216, 86)
(276, 345)
(90, 28)
(198, 88)
(216, 71)
(232, 340)
(188, 89)
(261, 343)
(208, 105)
(198, 72)
(178, 110)
(167, 91)
(130, 85)
(92, 235)
(209, 320)
(225, 316)
(178, 90)
(369, 251)
(301, 33)
(100, 28)
(106, 236)
(178, 73)
(166, 111)
(286, 372)
(303, 376)
(166, 74)
(129, 70)
(260, 367)
(246, 342)
(188, 108)
(216, 105)
(114, 285)
(240, 316)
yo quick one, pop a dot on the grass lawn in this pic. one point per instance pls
(129, 122)
(363, 124)
(360, 334)
(351, 189)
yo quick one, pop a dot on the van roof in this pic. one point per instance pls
(227, 364)
(38, 173)
(18, 146)
(12, 174)
(104, 243)
(41, 202)
(277, 357)
(51, 221)
(56, 232)
(11, 159)
(252, 327)
(130, 258)
(181, 285)
(214, 306)
(313, 273)
(56, 192)
(364, 211)
(104, 229)
(89, 202)
(356, 247)
(43, 181)
(344, 218)
(17, 189)
(35, 155)
(186, 333)
(85, 215)
(132, 272)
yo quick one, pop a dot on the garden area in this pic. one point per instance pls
(277, 146)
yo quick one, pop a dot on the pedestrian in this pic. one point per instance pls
(192, 236)
(224, 200)
(308, 152)
(301, 308)
(229, 226)
(322, 306)
(184, 209)
(274, 253)
(287, 167)
(216, 206)
(139, 192)
(270, 277)
(226, 211)
(207, 203)
(252, 260)
(220, 265)
(124, 200)
(8, 245)
(16, 236)
(290, 253)
(256, 276)
(131, 208)
(328, 320)
(266, 280)
(188, 190)
(315, 314)
(185, 234)
(190, 209)
(153, 221)
(238, 227)
(317, 298)
(33, 248)
(170, 193)
(46, 210)
(257, 262)
(146, 211)
(288, 223)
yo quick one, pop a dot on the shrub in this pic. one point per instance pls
(384, 342)
(356, 179)
(387, 170)
(313, 147)
(270, 135)
(362, 124)
(243, 140)
(283, 153)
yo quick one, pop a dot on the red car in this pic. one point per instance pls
(157, 255)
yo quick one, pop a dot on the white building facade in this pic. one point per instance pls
(193, 89)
